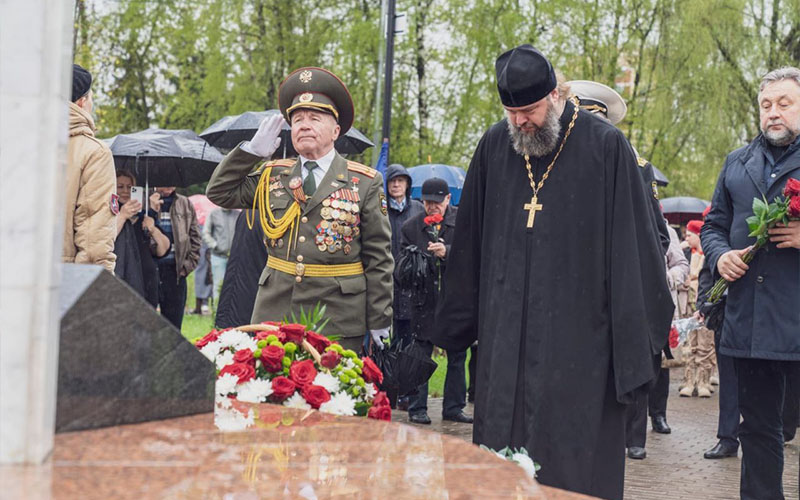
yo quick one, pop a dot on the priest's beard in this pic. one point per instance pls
(540, 141)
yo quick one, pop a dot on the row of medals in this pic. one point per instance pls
(339, 225)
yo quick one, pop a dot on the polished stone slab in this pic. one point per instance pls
(278, 453)
(121, 362)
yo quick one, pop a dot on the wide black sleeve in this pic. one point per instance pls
(458, 307)
(649, 178)
(640, 304)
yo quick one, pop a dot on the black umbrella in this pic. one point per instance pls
(661, 179)
(229, 131)
(165, 157)
(683, 205)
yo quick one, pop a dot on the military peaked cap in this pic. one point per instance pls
(599, 98)
(318, 89)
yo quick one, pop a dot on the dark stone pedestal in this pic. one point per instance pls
(119, 361)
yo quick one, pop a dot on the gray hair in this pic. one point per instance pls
(776, 75)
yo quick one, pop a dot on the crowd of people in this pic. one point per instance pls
(557, 269)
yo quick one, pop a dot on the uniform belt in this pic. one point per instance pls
(315, 270)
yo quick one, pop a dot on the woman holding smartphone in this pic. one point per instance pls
(138, 241)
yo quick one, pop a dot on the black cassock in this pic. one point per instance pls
(568, 314)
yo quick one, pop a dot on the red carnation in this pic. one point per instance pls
(294, 333)
(380, 413)
(211, 336)
(673, 338)
(282, 388)
(371, 372)
(263, 334)
(272, 358)
(244, 371)
(315, 395)
(320, 342)
(381, 400)
(302, 373)
(433, 219)
(244, 356)
(792, 188)
(794, 207)
(330, 359)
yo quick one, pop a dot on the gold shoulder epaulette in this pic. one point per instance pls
(361, 169)
(641, 161)
(281, 163)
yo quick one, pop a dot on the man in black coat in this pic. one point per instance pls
(401, 208)
(431, 232)
(761, 314)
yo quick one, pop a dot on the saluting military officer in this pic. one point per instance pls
(324, 217)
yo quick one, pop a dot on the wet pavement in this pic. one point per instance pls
(674, 467)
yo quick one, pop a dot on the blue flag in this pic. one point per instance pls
(383, 158)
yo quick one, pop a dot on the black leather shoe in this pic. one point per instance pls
(419, 418)
(722, 450)
(402, 403)
(470, 396)
(637, 453)
(458, 417)
(660, 425)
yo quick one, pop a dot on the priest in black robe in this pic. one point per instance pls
(557, 271)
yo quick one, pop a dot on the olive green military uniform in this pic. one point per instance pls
(340, 252)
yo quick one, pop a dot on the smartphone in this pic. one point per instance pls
(137, 193)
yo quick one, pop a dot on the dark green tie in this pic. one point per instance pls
(310, 184)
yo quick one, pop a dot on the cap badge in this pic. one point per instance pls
(305, 76)
(306, 96)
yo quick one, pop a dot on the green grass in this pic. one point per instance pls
(195, 326)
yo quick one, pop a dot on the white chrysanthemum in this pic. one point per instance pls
(254, 391)
(297, 402)
(328, 381)
(224, 359)
(371, 391)
(231, 420)
(340, 404)
(226, 384)
(222, 401)
(238, 340)
(210, 350)
(525, 462)
(348, 364)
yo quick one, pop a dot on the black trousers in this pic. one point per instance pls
(472, 366)
(791, 406)
(762, 390)
(171, 293)
(729, 416)
(455, 385)
(652, 398)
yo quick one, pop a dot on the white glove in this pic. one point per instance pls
(268, 136)
(379, 335)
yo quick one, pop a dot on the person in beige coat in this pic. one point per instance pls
(91, 199)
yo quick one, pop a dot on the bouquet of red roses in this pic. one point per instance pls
(285, 364)
(765, 217)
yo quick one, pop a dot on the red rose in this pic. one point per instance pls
(792, 188)
(381, 400)
(315, 395)
(272, 358)
(673, 338)
(262, 335)
(380, 413)
(371, 372)
(302, 373)
(433, 219)
(794, 207)
(244, 371)
(282, 388)
(294, 333)
(271, 323)
(211, 336)
(330, 359)
(320, 342)
(244, 356)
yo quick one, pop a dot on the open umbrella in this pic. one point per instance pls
(162, 157)
(681, 209)
(660, 178)
(229, 131)
(454, 176)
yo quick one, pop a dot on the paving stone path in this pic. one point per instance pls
(674, 468)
